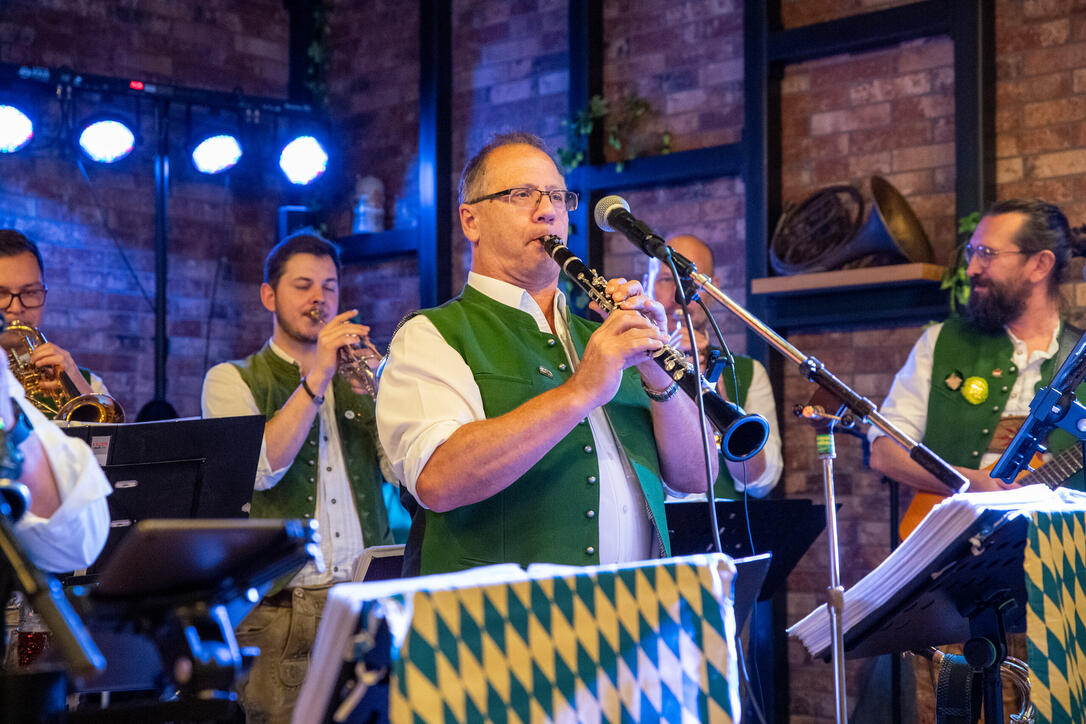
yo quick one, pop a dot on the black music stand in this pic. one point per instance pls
(688, 526)
(974, 591)
(174, 591)
(188, 468)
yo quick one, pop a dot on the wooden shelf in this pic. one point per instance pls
(898, 294)
(848, 278)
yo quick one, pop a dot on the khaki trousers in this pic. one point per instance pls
(284, 629)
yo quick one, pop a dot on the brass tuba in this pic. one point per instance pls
(20, 339)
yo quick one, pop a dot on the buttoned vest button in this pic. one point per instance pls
(588, 448)
(591, 479)
(307, 515)
(562, 366)
(590, 514)
(311, 462)
(590, 551)
(312, 442)
(1005, 388)
(975, 453)
(995, 408)
(349, 414)
(550, 342)
(312, 480)
(309, 498)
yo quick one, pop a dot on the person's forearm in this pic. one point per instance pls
(892, 460)
(286, 431)
(750, 469)
(38, 477)
(483, 458)
(677, 430)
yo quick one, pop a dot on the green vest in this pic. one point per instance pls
(724, 487)
(272, 380)
(958, 430)
(549, 514)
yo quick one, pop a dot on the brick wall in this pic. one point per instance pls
(95, 309)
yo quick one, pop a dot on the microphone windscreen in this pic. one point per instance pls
(604, 208)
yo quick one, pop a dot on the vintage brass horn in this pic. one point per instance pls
(66, 404)
(892, 235)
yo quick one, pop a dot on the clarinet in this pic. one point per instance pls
(742, 435)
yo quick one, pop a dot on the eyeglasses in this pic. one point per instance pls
(28, 298)
(529, 198)
(985, 254)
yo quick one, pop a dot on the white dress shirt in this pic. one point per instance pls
(225, 394)
(73, 536)
(907, 404)
(428, 391)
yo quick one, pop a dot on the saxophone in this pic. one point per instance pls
(742, 435)
(352, 359)
(64, 404)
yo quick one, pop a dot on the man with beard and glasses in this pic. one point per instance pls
(967, 384)
(320, 458)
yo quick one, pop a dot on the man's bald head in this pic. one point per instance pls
(695, 250)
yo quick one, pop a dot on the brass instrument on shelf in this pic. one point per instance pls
(353, 359)
(20, 339)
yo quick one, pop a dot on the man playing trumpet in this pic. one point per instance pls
(22, 297)
(319, 460)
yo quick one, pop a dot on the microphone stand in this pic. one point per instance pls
(865, 411)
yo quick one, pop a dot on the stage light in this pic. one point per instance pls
(303, 160)
(217, 153)
(107, 140)
(16, 129)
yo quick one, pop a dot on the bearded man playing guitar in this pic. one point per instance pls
(967, 384)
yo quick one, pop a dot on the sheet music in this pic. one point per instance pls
(940, 528)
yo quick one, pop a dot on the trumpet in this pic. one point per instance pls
(66, 403)
(742, 435)
(352, 360)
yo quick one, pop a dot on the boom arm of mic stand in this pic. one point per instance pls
(812, 369)
(46, 596)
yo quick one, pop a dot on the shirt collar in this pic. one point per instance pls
(282, 353)
(513, 296)
(1053, 344)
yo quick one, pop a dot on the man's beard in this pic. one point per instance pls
(297, 334)
(1001, 304)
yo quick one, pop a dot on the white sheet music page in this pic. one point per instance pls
(941, 527)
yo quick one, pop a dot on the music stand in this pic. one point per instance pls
(174, 590)
(379, 563)
(187, 468)
(688, 526)
(974, 591)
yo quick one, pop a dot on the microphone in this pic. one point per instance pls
(613, 214)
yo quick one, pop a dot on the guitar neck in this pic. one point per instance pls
(1056, 472)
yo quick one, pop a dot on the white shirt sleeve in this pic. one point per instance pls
(97, 385)
(907, 404)
(760, 401)
(225, 394)
(74, 535)
(427, 392)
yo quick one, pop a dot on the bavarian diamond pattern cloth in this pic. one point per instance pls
(1055, 626)
(651, 642)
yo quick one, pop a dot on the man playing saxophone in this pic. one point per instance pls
(527, 434)
(22, 297)
(319, 460)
